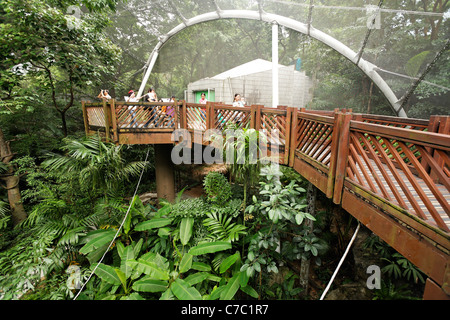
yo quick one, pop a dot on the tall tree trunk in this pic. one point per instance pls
(18, 212)
(64, 123)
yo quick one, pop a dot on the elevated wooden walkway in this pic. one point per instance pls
(392, 174)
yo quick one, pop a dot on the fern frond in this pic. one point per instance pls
(221, 227)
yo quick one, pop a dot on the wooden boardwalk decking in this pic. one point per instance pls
(392, 174)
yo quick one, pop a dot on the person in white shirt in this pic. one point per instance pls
(132, 109)
(237, 101)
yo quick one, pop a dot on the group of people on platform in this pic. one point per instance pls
(168, 111)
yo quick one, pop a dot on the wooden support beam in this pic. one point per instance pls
(433, 291)
(165, 178)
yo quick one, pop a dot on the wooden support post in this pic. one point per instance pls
(287, 142)
(334, 154)
(209, 119)
(107, 122)
(293, 137)
(165, 180)
(176, 119)
(114, 121)
(258, 117)
(442, 125)
(253, 116)
(342, 157)
(183, 116)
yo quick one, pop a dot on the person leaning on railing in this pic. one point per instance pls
(150, 96)
(203, 100)
(240, 104)
(132, 109)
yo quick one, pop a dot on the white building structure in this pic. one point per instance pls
(253, 81)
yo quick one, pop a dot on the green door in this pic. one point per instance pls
(211, 97)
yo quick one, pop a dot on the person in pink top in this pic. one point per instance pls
(203, 99)
(203, 110)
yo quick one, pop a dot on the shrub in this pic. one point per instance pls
(217, 188)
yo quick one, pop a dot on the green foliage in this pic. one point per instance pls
(287, 289)
(398, 266)
(217, 188)
(166, 262)
(389, 291)
(97, 166)
(22, 270)
(4, 217)
(221, 227)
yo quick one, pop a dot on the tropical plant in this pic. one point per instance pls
(179, 273)
(217, 188)
(389, 291)
(287, 289)
(241, 153)
(221, 227)
(98, 167)
(26, 264)
(4, 218)
(398, 266)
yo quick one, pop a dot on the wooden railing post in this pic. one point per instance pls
(258, 117)
(107, 120)
(338, 118)
(183, 115)
(114, 121)
(438, 124)
(293, 136)
(175, 114)
(287, 142)
(342, 153)
(253, 116)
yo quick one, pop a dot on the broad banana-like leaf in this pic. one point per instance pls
(231, 288)
(196, 278)
(152, 224)
(250, 291)
(108, 274)
(228, 262)
(184, 291)
(200, 266)
(186, 230)
(97, 240)
(149, 285)
(128, 254)
(210, 247)
(151, 269)
(186, 262)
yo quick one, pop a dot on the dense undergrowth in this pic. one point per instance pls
(237, 241)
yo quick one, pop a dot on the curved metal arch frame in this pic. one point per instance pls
(368, 68)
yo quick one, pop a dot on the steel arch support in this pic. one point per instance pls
(367, 67)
